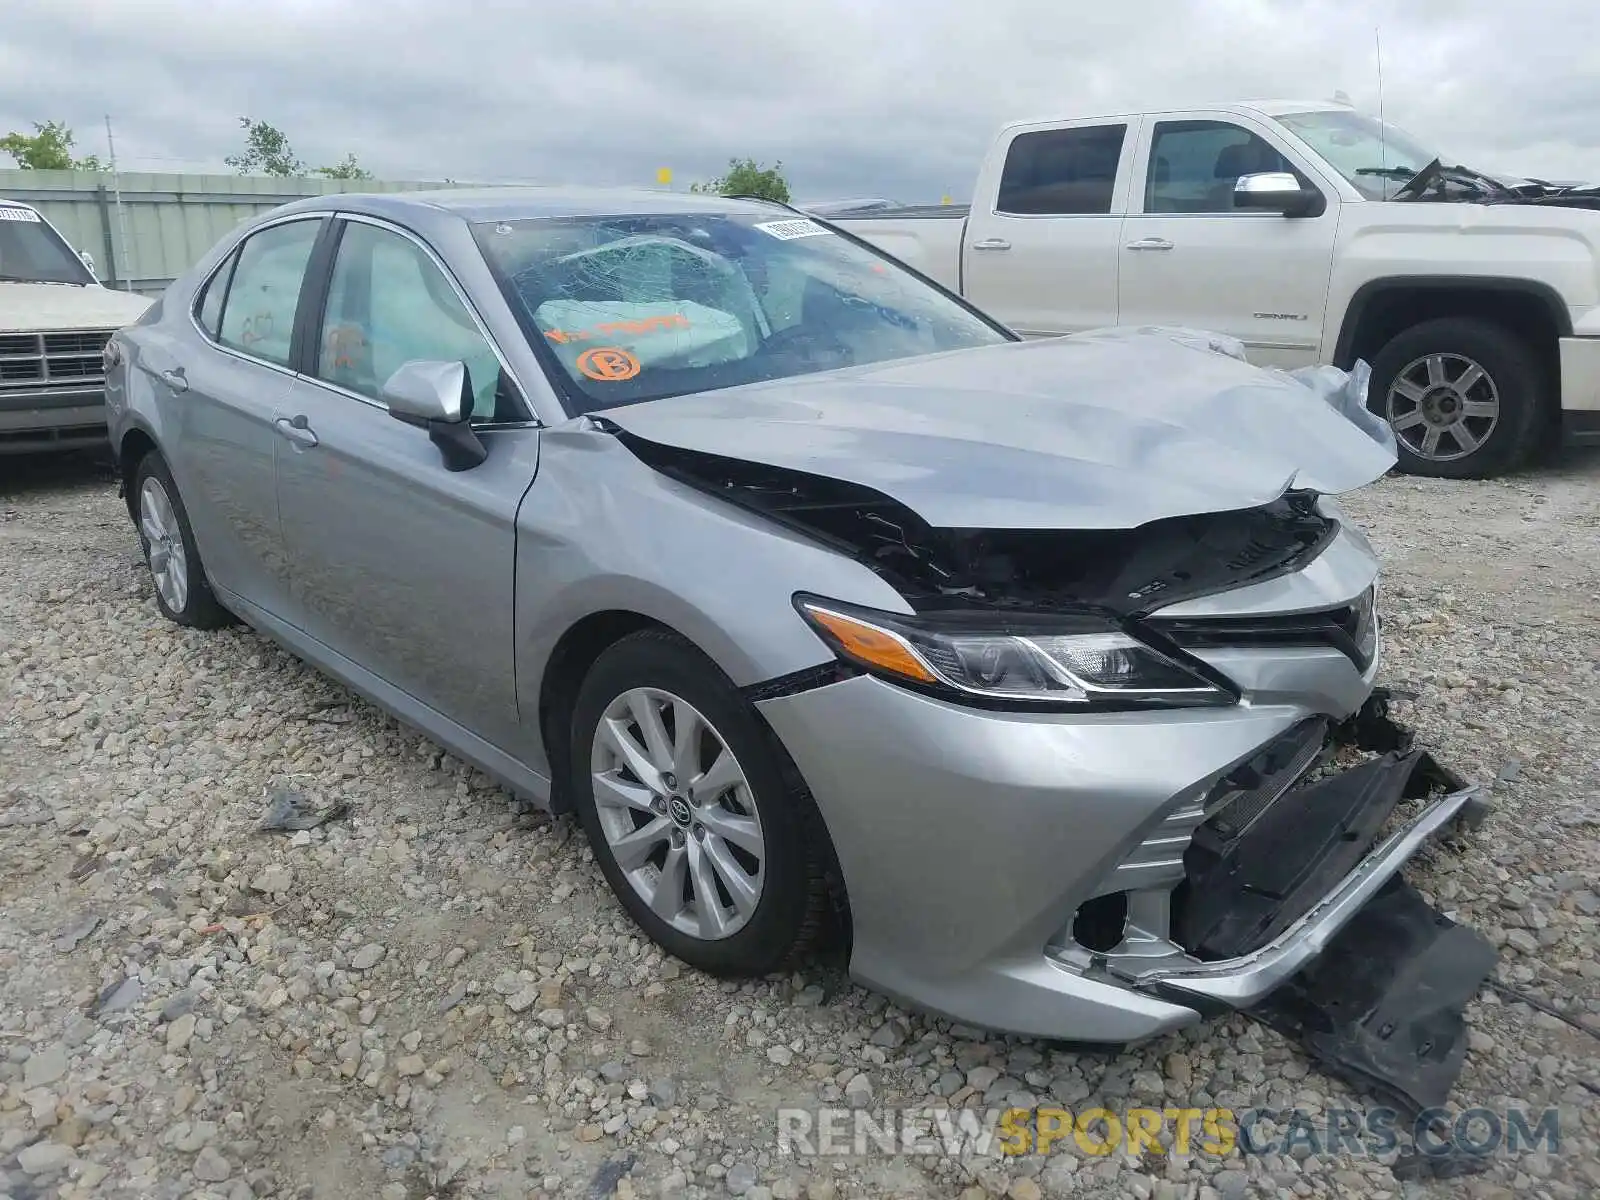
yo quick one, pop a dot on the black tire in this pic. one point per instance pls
(1511, 374)
(793, 901)
(200, 608)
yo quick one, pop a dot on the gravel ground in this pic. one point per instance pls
(434, 994)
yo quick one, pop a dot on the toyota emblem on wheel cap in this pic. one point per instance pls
(679, 809)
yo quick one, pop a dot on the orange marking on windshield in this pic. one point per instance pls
(644, 325)
(608, 364)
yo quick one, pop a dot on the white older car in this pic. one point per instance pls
(55, 319)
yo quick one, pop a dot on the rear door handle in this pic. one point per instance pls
(1150, 243)
(992, 244)
(297, 429)
(174, 379)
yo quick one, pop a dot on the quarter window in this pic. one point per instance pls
(389, 304)
(1195, 164)
(208, 312)
(258, 315)
(1062, 171)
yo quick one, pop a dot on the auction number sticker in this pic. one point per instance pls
(608, 364)
(787, 231)
(7, 213)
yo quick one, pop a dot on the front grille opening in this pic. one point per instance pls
(1101, 924)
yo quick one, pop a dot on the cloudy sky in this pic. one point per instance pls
(856, 97)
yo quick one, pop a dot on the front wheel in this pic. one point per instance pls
(1465, 397)
(684, 799)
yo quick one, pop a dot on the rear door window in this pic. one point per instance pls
(258, 314)
(1062, 172)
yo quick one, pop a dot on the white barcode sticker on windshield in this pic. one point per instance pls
(787, 231)
(8, 213)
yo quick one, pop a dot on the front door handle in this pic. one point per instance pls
(1150, 243)
(992, 244)
(175, 379)
(297, 429)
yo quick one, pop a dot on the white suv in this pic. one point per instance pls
(55, 319)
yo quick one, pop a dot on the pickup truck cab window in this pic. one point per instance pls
(1195, 164)
(1062, 172)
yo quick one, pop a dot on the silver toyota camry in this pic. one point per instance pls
(1041, 673)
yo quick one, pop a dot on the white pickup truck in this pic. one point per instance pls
(55, 319)
(1311, 233)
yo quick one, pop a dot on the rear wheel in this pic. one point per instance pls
(182, 592)
(683, 796)
(1465, 397)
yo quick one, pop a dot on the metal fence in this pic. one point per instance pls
(164, 222)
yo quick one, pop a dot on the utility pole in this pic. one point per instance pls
(122, 220)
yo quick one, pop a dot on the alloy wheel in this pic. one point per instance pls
(1443, 406)
(169, 566)
(678, 813)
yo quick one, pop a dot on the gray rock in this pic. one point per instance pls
(177, 1005)
(211, 1167)
(523, 1000)
(367, 957)
(119, 997)
(273, 880)
(81, 927)
(45, 1066)
(44, 1158)
(858, 1092)
(741, 1178)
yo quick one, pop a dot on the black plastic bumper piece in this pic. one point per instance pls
(1382, 1004)
(1245, 888)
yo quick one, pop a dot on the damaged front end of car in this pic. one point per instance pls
(1278, 892)
(1239, 640)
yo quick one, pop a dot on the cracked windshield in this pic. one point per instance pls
(638, 308)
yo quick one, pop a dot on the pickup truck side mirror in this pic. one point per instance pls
(1280, 192)
(437, 396)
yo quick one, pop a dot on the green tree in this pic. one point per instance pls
(49, 148)
(746, 177)
(266, 151)
(348, 169)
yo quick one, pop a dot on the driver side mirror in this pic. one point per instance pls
(437, 396)
(1279, 192)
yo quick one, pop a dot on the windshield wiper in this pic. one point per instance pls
(1400, 173)
(5, 278)
(1437, 172)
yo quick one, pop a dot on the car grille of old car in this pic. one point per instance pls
(69, 358)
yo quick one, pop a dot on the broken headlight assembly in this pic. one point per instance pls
(1057, 661)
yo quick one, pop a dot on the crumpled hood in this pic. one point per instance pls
(45, 307)
(1103, 430)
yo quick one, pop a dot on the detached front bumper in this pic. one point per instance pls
(1042, 874)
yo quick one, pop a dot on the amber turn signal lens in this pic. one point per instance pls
(872, 646)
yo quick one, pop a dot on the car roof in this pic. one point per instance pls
(524, 203)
